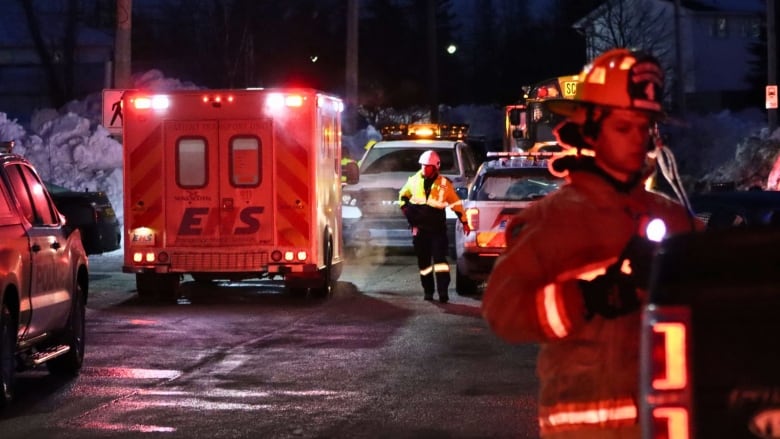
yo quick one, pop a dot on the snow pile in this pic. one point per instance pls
(72, 149)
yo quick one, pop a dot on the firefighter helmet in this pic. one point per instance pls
(430, 157)
(619, 78)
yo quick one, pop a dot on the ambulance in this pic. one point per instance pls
(232, 184)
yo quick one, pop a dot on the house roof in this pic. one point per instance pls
(703, 6)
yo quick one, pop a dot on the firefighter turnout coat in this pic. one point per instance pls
(588, 369)
(427, 212)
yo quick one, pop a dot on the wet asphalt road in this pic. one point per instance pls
(245, 360)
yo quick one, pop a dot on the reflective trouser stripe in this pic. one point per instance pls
(552, 312)
(441, 267)
(426, 271)
(570, 416)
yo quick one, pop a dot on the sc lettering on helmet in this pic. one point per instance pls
(195, 220)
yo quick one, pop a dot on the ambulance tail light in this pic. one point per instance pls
(665, 373)
(144, 257)
(290, 255)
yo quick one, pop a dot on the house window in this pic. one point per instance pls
(720, 27)
(755, 28)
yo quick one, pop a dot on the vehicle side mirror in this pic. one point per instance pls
(351, 172)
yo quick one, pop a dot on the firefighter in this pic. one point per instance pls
(423, 199)
(574, 273)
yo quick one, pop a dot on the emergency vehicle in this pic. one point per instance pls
(528, 124)
(506, 183)
(232, 184)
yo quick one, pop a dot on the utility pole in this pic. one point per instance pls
(771, 44)
(122, 49)
(351, 84)
(433, 69)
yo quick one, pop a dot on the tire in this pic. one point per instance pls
(325, 290)
(464, 285)
(69, 364)
(8, 334)
(157, 286)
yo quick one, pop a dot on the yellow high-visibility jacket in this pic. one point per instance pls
(426, 212)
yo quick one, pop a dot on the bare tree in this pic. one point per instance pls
(639, 24)
(646, 25)
(56, 52)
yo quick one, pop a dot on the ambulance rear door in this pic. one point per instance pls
(218, 183)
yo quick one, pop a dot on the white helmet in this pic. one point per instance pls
(430, 157)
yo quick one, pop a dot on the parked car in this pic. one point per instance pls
(371, 214)
(91, 213)
(43, 279)
(737, 208)
(505, 184)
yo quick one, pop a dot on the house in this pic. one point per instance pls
(716, 40)
(25, 84)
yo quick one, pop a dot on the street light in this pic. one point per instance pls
(451, 49)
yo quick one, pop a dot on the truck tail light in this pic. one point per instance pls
(665, 379)
(670, 370)
(671, 423)
(472, 218)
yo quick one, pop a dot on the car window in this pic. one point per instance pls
(44, 209)
(516, 188)
(469, 162)
(22, 195)
(7, 214)
(55, 189)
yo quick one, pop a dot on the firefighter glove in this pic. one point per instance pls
(610, 295)
(636, 260)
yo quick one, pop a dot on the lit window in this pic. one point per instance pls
(245, 161)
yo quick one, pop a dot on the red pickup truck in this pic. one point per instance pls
(43, 279)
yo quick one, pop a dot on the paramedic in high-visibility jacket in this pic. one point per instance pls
(423, 199)
(574, 274)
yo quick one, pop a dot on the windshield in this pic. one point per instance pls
(544, 122)
(517, 187)
(379, 160)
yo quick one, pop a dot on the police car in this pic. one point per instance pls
(371, 214)
(43, 278)
(505, 184)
